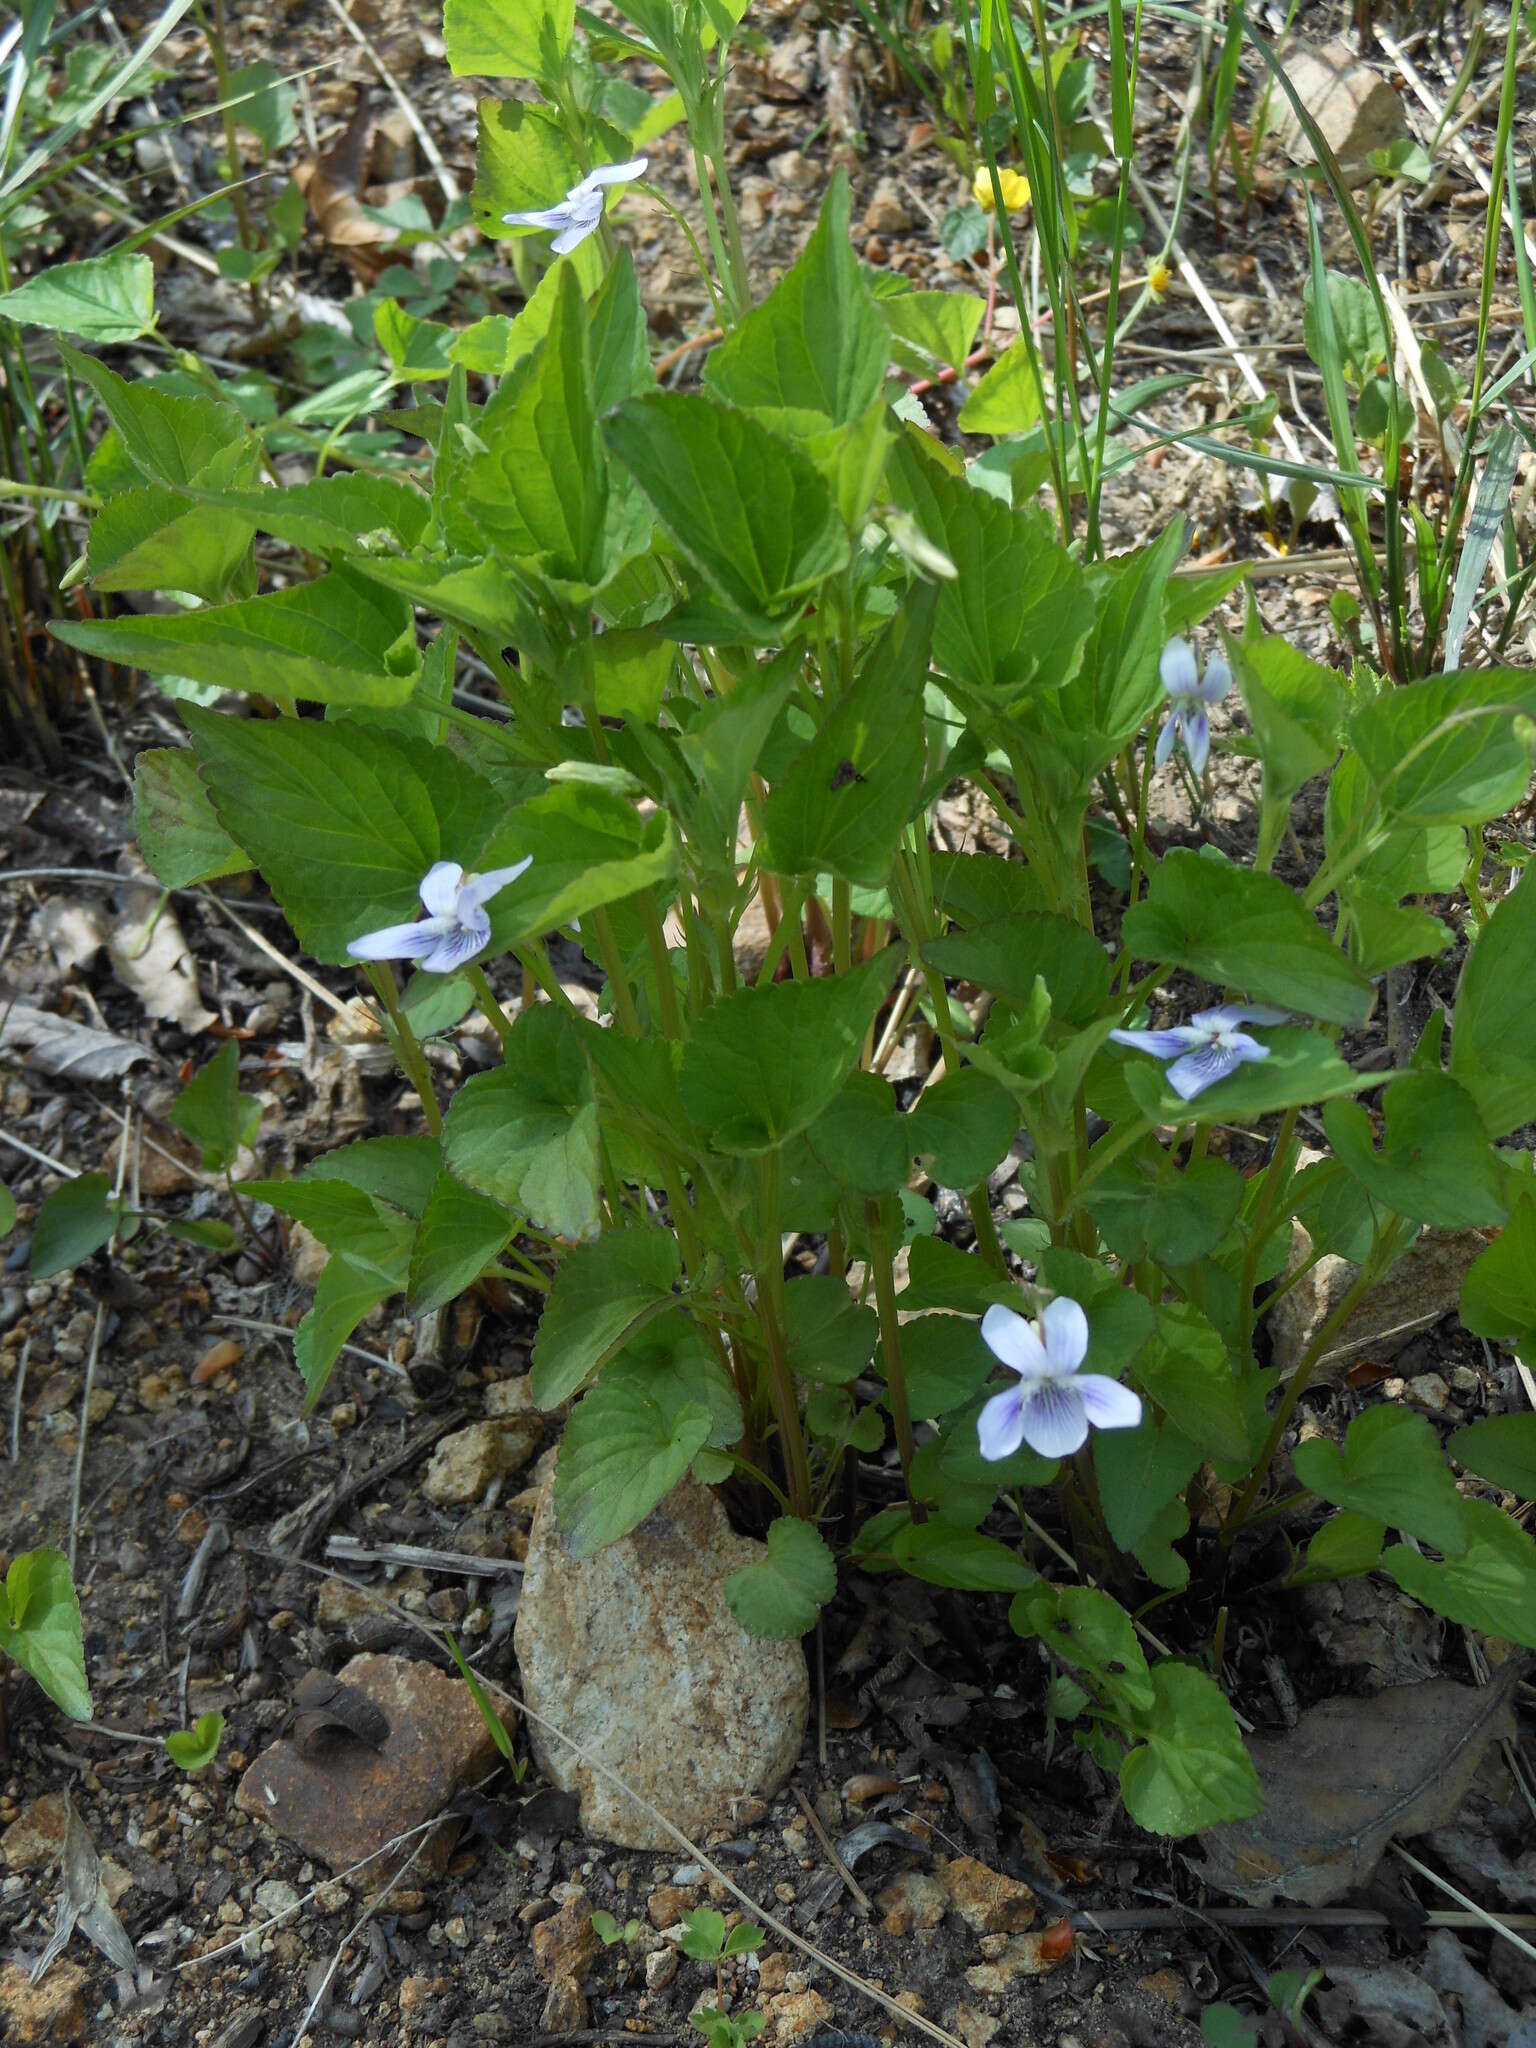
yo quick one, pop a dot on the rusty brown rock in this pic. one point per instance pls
(52, 2011)
(667, 1905)
(36, 1837)
(635, 1655)
(565, 2009)
(986, 1901)
(565, 1945)
(913, 1903)
(347, 1800)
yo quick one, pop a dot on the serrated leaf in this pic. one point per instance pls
(106, 299)
(782, 1595)
(945, 1555)
(1493, 1030)
(1191, 1770)
(1093, 1633)
(347, 1291)
(1500, 1448)
(508, 38)
(526, 1134)
(602, 1292)
(170, 437)
(620, 1457)
(459, 1234)
(1390, 1469)
(1435, 1162)
(1491, 1586)
(1185, 1369)
(40, 1629)
(1139, 1472)
(174, 822)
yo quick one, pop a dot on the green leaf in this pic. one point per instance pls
(945, 1555)
(1146, 1208)
(347, 1219)
(932, 330)
(7, 1211)
(526, 1134)
(401, 1172)
(459, 1235)
(106, 299)
(1500, 1448)
(1357, 331)
(704, 1936)
(782, 1595)
(589, 847)
(1448, 750)
(961, 1127)
(818, 342)
(1139, 1472)
(1491, 1586)
(1346, 1545)
(1020, 611)
(1493, 1030)
(266, 102)
(343, 821)
(343, 514)
(1186, 1371)
(861, 1139)
(763, 1063)
(1155, 1553)
(847, 798)
(673, 1360)
(347, 1291)
(194, 1748)
(214, 1113)
(174, 822)
(620, 1457)
(496, 1728)
(40, 1629)
(601, 1294)
(1005, 956)
(945, 1362)
(170, 437)
(1249, 931)
(829, 1337)
(533, 484)
(1435, 1162)
(155, 538)
(746, 508)
(508, 38)
(340, 640)
(630, 671)
(1116, 687)
(1390, 1470)
(419, 351)
(1296, 709)
(1094, 1634)
(1191, 1770)
(75, 1220)
(1007, 398)
(524, 161)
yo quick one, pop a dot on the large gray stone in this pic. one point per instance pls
(635, 1655)
(1424, 1285)
(1354, 107)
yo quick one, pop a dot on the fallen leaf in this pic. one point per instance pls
(150, 958)
(327, 1713)
(74, 933)
(83, 1903)
(1350, 1777)
(58, 1045)
(220, 1357)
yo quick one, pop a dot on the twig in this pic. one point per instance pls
(351, 1935)
(860, 1896)
(43, 1158)
(90, 1363)
(413, 1556)
(21, 1380)
(1152, 1919)
(1485, 1919)
(685, 348)
(263, 945)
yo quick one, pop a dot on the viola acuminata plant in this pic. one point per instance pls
(745, 638)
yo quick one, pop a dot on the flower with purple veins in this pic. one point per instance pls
(456, 926)
(581, 209)
(1053, 1404)
(1207, 1048)
(1190, 694)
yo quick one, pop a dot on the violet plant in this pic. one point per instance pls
(744, 639)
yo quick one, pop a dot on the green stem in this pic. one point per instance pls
(407, 1046)
(494, 1014)
(882, 1265)
(1276, 1180)
(770, 1315)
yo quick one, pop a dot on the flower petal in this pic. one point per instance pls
(1165, 740)
(613, 174)
(439, 886)
(1108, 1404)
(1000, 1425)
(481, 888)
(1177, 668)
(400, 941)
(1014, 1339)
(1055, 1420)
(1202, 1069)
(1197, 741)
(1163, 1045)
(1253, 1013)
(575, 234)
(540, 217)
(1216, 681)
(1066, 1334)
(458, 945)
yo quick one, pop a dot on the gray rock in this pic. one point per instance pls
(1424, 1285)
(464, 1464)
(636, 1657)
(1354, 107)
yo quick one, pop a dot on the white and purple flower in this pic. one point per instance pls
(1190, 694)
(456, 926)
(1053, 1404)
(581, 209)
(1207, 1048)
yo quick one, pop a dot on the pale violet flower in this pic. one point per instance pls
(1207, 1048)
(1053, 1404)
(581, 209)
(1190, 695)
(455, 927)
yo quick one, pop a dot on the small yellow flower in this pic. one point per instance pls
(1159, 277)
(1015, 188)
